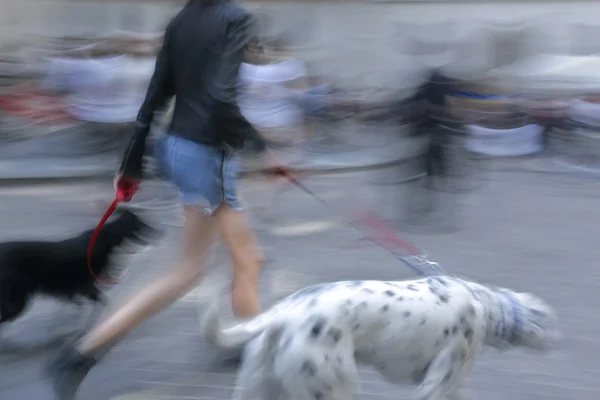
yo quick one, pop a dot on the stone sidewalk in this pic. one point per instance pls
(89, 152)
(515, 231)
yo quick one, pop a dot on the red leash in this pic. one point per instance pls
(125, 191)
(384, 236)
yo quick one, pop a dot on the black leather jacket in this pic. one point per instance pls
(198, 63)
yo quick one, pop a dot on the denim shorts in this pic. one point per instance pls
(204, 175)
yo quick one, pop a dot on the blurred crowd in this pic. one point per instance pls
(96, 84)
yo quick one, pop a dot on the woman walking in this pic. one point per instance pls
(198, 65)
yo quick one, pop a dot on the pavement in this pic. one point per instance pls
(514, 229)
(92, 150)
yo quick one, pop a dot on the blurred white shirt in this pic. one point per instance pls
(264, 99)
(109, 90)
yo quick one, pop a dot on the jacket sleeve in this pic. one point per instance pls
(160, 90)
(226, 86)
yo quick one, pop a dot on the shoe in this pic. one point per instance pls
(67, 370)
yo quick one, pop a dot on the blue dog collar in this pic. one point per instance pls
(517, 321)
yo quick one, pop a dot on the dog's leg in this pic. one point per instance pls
(319, 373)
(444, 373)
(250, 379)
(12, 304)
(94, 315)
(99, 303)
(13, 301)
(66, 317)
(254, 380)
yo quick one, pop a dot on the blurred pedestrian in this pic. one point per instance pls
(434, 92)
(272, 83)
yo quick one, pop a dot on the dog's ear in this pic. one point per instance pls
(540, 328)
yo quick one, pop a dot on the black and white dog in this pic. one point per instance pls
(59, 268)
(426, 332)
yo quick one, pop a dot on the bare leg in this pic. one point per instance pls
(199, 236)
(247, 260)
(445, 373)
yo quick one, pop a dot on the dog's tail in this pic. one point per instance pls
(237, 335)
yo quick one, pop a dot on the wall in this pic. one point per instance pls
(82, 16)
(361, 43)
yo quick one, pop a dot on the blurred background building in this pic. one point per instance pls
(81, 67)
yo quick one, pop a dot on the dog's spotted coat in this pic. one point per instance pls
(427, 332)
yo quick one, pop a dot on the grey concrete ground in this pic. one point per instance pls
(514, 230)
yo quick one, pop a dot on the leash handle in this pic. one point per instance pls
(125, 189)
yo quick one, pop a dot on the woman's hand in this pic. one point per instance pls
(273, 167)
(125, 187)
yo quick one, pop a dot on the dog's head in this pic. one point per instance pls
(124, 234)
(126, 231)
(528, 320)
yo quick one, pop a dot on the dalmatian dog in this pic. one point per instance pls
(425, 332)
